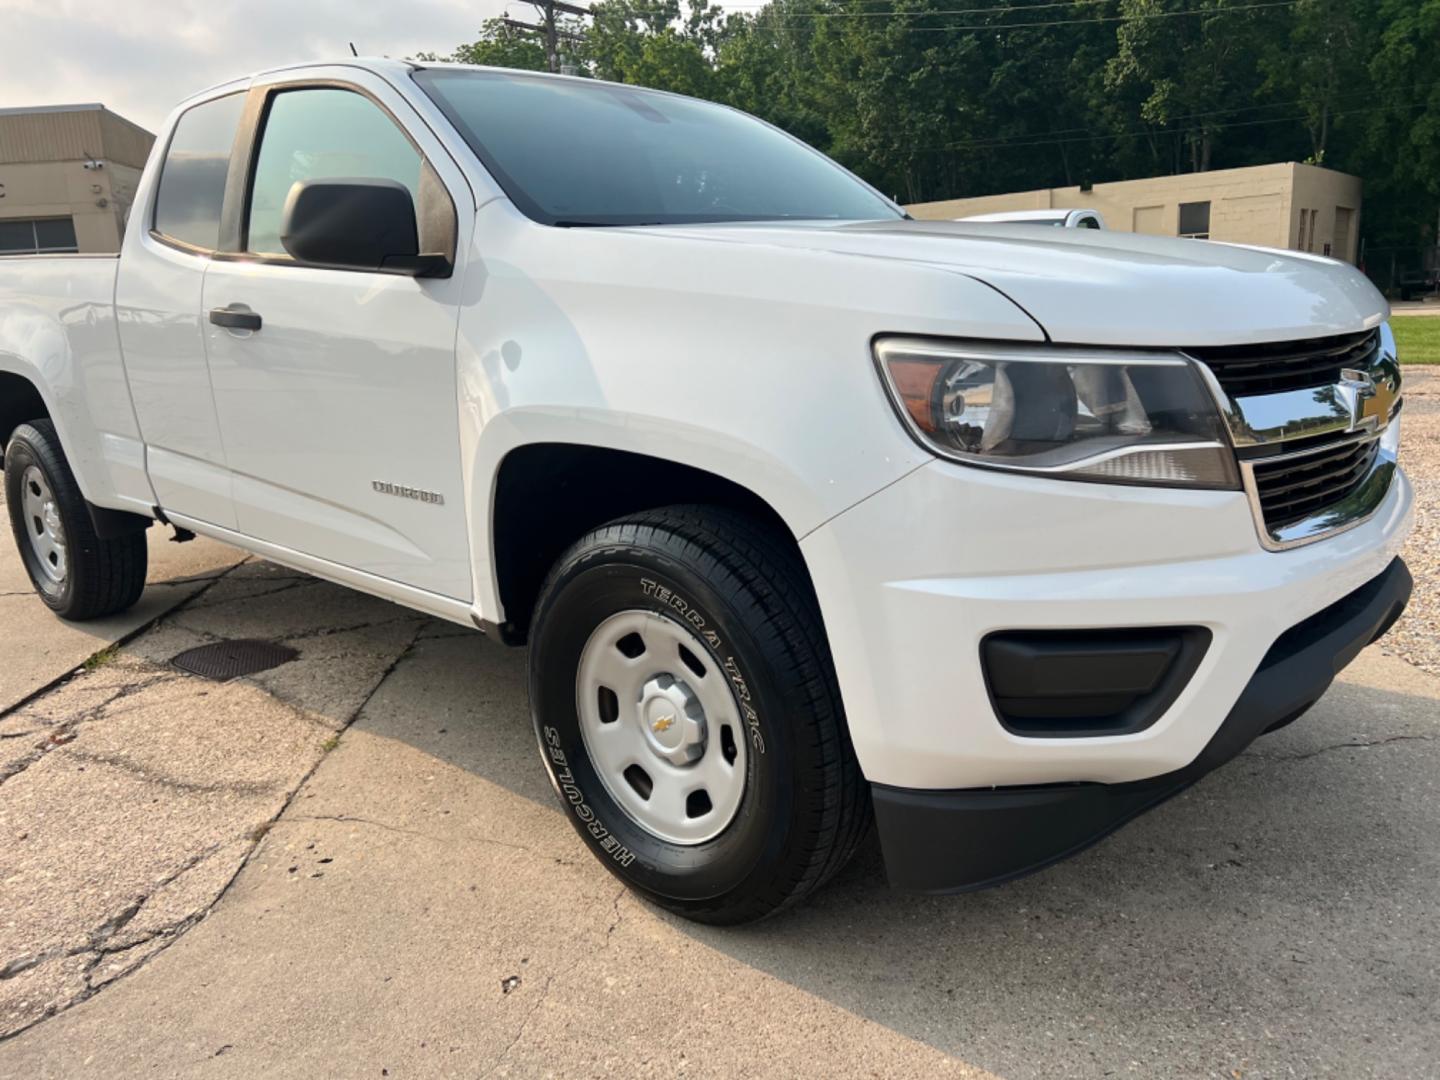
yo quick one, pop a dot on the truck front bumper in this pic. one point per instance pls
(913, 581)
(951, 841)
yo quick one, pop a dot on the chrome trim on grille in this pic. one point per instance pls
(1337, 409)
(1360, 407)
(1353, 509)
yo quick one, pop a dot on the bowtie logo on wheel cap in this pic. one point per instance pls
(663, 724)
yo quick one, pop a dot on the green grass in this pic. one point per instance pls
(101, 658)
(1417, 338)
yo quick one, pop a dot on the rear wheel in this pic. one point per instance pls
(687, 710)
(76, 573)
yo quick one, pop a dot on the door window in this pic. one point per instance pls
(192, 180)
(319, 134)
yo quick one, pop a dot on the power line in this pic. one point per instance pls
(1003, 9)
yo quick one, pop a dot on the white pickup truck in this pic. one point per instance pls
(809, 513)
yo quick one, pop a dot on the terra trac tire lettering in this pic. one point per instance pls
(732, 669)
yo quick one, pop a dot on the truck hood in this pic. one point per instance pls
(1103, 288)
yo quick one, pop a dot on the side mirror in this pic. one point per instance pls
(358, 224)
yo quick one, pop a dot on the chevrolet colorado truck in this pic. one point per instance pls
(810, 514)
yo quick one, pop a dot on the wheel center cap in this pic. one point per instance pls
(673, 719)
(52, 518)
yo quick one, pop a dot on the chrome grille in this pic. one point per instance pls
(1298, 486)
(1247, 370)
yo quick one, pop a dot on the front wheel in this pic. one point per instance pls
(77, 574)
(687, 711)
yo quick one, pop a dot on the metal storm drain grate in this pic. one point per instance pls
(230, 659)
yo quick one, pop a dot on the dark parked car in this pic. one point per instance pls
(1417, 283)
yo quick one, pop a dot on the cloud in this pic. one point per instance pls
(140, 57)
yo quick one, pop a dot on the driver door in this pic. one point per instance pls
(339, 413)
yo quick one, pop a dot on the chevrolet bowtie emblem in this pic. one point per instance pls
(1357, 392)
(664, 724)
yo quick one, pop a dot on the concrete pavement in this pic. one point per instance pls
(421, 907)
(132, 792)
(353, 865)
(1415, 307)
(39, 648)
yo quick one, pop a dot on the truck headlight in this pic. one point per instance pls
(1095, 414)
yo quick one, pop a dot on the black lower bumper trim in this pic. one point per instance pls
(954, 841)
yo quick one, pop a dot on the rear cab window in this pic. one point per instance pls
(192, 178)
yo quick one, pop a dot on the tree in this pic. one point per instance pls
(653, 43)
(498, 45)
(1199, 71)
(1320, 66)
(1400, 157)
(929, 101)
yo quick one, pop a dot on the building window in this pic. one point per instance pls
(1344, 225)
(1195, 220)
(1309, 219)
(37, 236)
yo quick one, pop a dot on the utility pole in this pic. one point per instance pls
(550, 34)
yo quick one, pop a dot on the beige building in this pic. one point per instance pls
(67, 176)
(1289, 205)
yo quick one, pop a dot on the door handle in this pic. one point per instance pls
(235, 317)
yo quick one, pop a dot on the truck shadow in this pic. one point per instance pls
(1268, 909)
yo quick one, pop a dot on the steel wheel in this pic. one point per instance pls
(662, 726)
(44, 528)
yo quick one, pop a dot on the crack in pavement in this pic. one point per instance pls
(286, 586)
(524, 1024)
(149, 776)
(355, 819)
(550, 981)
(304, 635)
(64, 730)
(1361, 745)
(98, 945)
(124, 639)
(97, 940)
(331, 631)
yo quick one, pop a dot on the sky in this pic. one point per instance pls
(139, 57)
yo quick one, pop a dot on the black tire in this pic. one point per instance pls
(102, 577)
(805, 806)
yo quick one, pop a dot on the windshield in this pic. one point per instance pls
(576, 152)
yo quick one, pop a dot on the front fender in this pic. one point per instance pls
(749, 362)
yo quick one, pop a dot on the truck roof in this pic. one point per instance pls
(386, 65)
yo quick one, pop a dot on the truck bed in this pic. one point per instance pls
(58, 340)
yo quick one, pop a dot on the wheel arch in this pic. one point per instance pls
(20, 402)
(549, 494)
